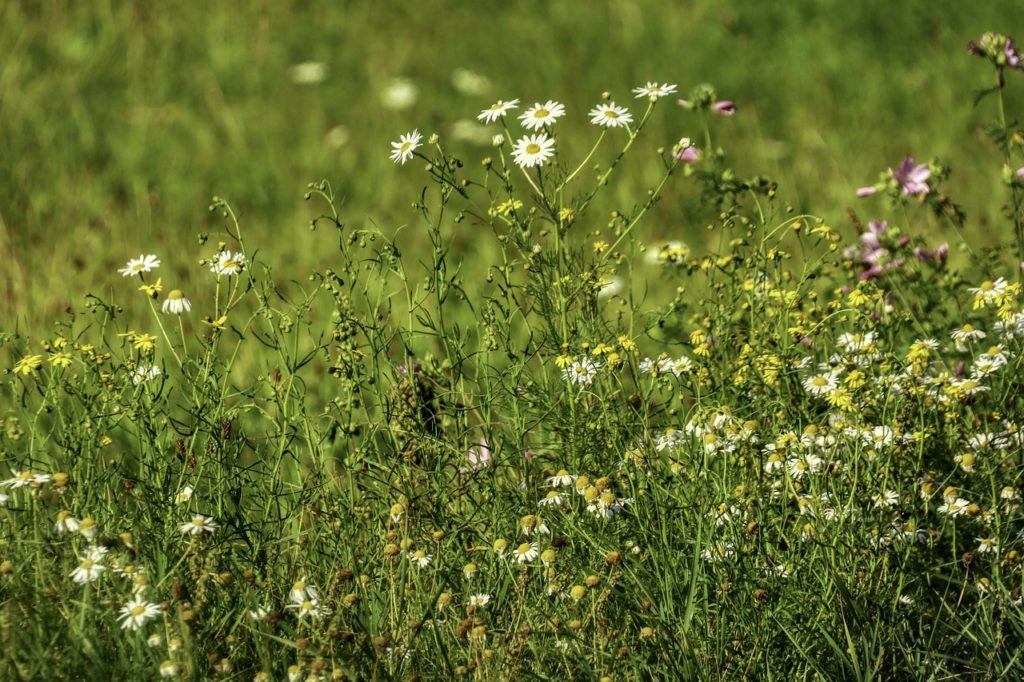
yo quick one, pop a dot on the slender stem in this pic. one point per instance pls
(164, 332)
(583, 163)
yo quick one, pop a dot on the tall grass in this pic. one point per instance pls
(517, 437)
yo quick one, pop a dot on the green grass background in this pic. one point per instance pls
(118, 120)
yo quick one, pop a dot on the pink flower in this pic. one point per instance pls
(725, 108)
(479, 457)
(866, 191)
(689, 155)
(912, 178)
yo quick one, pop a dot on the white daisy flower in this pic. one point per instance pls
(654, 90)
(228, 263)
(610, 116)
(303, 590)
(773, 463)
(402, 150)
(66, 523)
(954, 507)
(540, 115)
(528, 551)
(94, 552)
(308, 607)
(965, 335)
(986, 545)
(552, 499)
(968, 387)
(561, 479)
(681, 365)
(887, 499)
(497, 110)
(185, 495)
(989, 290)
(143, 373)
(479, 600)
(89, 570)
(533, 150)
(198, 525)
(857, 343)
(176, 303)
(1011, 327)
(4, 499)
(140, 265)
(20, 479)
(581, 371)
(89, 529)
(420, 558)
(822, 384)
(137, 613)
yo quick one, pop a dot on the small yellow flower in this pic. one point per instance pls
(563, 361)
(60, 359)
(600, 246)
(626, 343)
(855, 379)
(217, 324)
(28, 364)
(144, 342)
(859, 298)
(824, 231)
(152, 290)
(566, 215)
(842, 399)
(505, 208)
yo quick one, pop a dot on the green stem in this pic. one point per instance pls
(164, 332)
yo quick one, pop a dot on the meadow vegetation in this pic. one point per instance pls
(602, 385)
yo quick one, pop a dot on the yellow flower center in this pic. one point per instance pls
(532, 148)
(406, 147)
(541, 113)
(138, 610)
(610, 113)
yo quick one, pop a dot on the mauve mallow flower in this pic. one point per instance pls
(911, 178)
(688, 155)
(1020, 172)
(479, 457)
(725, 107)
(866, 192)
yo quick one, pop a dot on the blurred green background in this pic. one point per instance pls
(119, 120)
